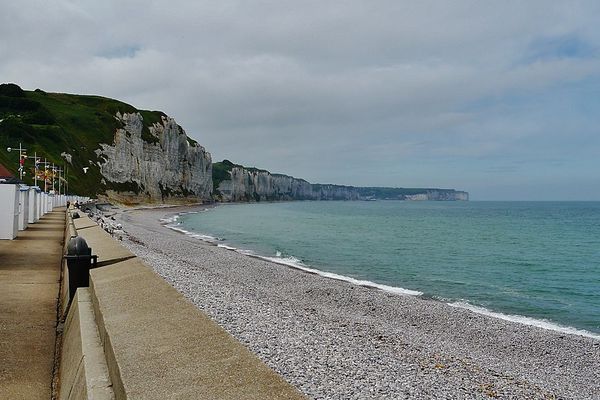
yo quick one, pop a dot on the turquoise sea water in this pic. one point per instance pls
(539, 260)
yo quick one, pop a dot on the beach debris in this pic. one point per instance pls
(488, 390)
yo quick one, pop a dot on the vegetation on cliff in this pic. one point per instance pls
(222, 171)
(52, 124)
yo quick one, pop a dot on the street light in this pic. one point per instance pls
(50, 170)
(22, 158)
(36, 162)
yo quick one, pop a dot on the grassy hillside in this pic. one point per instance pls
(53, 123)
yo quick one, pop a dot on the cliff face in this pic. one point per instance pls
(154, 163)
(256, 185)
(443, 195)
(236, 183)
(412, 194)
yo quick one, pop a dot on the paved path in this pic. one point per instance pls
(29, 282)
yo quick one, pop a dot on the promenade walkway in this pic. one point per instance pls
(29, 286)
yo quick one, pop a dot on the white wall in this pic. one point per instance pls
(33, 205)
(9, 211)
(43, 204)
(23, 207)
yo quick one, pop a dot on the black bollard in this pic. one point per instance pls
(79, 262)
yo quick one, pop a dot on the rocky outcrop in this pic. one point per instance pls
(154, 163)
(258, 185)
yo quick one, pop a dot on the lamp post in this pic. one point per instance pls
(22, 157)
(36, 162)
(45, 164)
(66, 179)
(50, 170)
(52, 175)
(59, 177)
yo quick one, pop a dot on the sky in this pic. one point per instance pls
(498, 98)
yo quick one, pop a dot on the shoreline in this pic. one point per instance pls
(298, 265)
(455, 350)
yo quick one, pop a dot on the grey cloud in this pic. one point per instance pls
(309, 88)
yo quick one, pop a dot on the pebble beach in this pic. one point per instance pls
(335, 340)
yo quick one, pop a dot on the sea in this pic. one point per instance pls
(535, 263)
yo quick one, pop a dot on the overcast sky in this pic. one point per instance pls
(501, 98)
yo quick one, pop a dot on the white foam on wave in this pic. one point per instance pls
(540, 323)
(298, 264)
(177, 228)
(206, 238)
(292, 262)
(170, 220)
(247, 252)
(174, 219)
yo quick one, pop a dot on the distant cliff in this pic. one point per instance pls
(154, 163)
(236, 183)
(412, 194)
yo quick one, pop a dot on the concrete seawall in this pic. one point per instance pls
(132, 335)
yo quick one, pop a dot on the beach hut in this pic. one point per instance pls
(9, 199)
(9, 212)
(50, 202)
(33, 204)
(23, 207)
(43, 204)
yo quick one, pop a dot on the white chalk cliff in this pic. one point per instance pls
(251, 184)
(257, 185)
(154, 163)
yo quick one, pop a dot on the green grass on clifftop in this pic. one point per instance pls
(53, 123)
(221, 171)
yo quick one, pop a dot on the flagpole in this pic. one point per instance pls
(36, 164)
(59, 170)
(21, 162)
(35, 170)
(21, 159)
